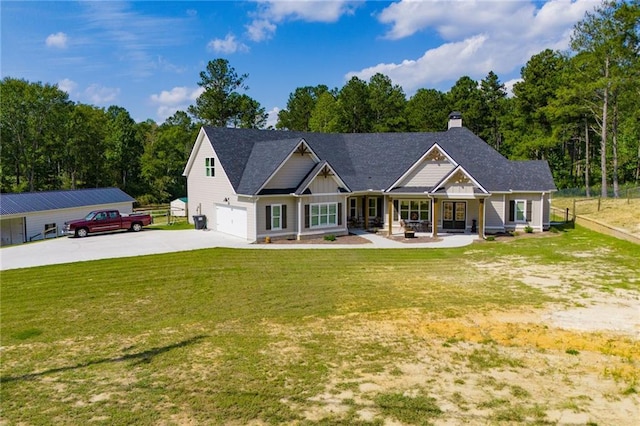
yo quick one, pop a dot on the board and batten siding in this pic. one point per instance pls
(428, 173)
(324, 185)
(295, 168)
(204, 192)
(459, 188)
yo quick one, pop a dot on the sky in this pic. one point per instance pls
(146, 56)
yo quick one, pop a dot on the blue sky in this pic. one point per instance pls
(146, 56)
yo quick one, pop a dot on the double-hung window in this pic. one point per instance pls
(276, 217)
(520, 211)
(373, 207)
(323, 215)
(210, 166)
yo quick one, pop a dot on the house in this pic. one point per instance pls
(179, 207)
(31, 216)
(283, 184)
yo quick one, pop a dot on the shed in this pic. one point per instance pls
(30, 216)
(179, 207)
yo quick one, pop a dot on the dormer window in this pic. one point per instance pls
(209, 166)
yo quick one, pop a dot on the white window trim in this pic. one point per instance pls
(279, 217)
(321, 225)
(210, 169)
(374, 207)
(524, 211)
(353, 207)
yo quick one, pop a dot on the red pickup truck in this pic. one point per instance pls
(106, 220)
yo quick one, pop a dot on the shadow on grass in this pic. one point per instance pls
(139, 358)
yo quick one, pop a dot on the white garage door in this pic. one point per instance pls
(231, 220)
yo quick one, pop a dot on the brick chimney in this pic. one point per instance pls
(455, 119)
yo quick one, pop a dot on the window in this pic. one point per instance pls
(520, 211)
(353, 208)
(323, 215)
(415, 210)
(276, 217)
(373, 207)
(49, 228)
(210, 166)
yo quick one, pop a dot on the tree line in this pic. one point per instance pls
(579, 110)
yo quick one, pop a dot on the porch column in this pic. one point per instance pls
(366, 212)
(481, 218)
(434, 216)
(300, 219)
(390, 214)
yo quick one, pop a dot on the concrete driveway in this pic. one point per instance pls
(150, 241)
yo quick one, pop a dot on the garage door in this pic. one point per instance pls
(231, 220)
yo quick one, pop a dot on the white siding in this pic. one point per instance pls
(204, 192)
(12, 231)
(532, 199)
(428, 173)
(295, 168)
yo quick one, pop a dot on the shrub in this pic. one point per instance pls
(490, 238)
(330, 237)
(528, 229)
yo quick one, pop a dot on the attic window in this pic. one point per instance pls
(209, 166)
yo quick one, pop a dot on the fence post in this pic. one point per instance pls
(574, 210)
(599, 198)
(566, 215)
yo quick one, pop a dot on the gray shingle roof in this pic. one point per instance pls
(367, 161)
(29, 202)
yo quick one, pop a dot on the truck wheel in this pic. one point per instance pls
(135, 227)
(82, 232)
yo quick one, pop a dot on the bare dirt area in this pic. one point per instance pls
(574, 362)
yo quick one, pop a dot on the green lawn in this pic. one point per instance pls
(223, 336)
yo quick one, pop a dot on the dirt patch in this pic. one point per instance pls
(418, 239)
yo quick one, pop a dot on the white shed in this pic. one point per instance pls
(179, 207)
(31, 216)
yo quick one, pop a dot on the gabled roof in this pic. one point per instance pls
(478, 188)
(321, 167)
(30, 202)
(370, 161)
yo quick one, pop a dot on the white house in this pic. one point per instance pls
(257, 183)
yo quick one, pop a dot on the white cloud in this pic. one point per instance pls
(272, 118)
(176, 99)
(260, 29)
(227, 45)
(479, 36)
(57, 40)
(68, 86)
(274, 12)
(100, 95)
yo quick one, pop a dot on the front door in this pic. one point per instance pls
(454, 215)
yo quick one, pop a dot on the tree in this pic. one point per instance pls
(606, 43)
(387, 104)
(324, 117)
(427, 111)
(123, 150)
(493, 96)
(300, 106)
(354, 112)
(465, 96)
(220, 105)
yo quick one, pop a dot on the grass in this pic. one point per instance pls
(620, 212)
(224, 336)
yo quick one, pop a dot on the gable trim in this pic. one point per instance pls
(420, 160)
(457, 169)
(301, 148)
(325, 169)
(196, 147)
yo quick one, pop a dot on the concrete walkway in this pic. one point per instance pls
(150, 241)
